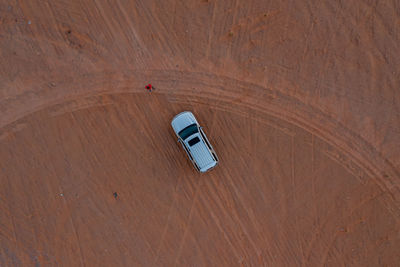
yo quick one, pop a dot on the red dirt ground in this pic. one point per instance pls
(299, 98)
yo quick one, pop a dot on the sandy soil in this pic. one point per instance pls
(299, 98)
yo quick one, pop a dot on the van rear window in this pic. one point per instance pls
(194, 141)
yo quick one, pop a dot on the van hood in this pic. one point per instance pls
(182, 120)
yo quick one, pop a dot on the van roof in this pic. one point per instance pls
(200, 152)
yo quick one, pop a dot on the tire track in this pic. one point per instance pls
(273, 103)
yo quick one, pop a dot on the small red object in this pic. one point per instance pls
(149, 86)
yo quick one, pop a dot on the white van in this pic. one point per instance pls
(194, 141)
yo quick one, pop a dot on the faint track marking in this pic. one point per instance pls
(68, 208)
(321, 226)
(188, 221)
(217, 221)
(211, 33)
(248, 212)
(292, 163)
(168, 218)
(131, 26)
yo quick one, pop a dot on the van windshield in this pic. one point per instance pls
(188, 131)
